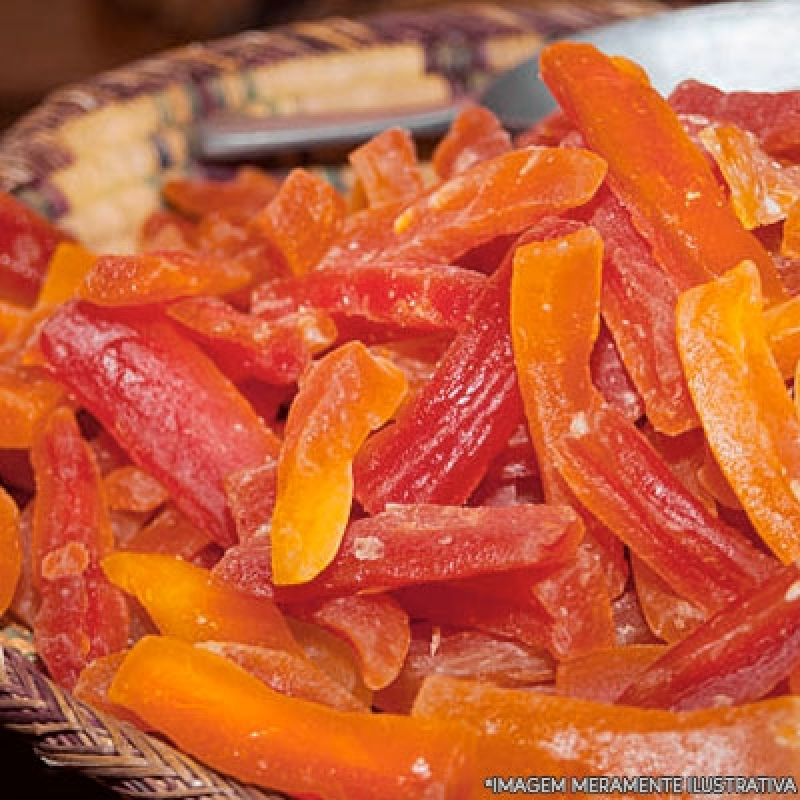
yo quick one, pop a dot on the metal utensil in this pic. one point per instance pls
(748, 44)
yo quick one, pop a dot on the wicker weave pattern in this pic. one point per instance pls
(67, 733)
(93, 156)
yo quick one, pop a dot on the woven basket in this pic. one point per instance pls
(93, 158)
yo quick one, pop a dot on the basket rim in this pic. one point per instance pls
(459, 43)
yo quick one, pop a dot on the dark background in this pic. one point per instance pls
(24, 776)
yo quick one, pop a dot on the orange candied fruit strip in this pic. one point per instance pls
(343, 397)
(742, 400)
(186, 601)
(790, 243)
(158, 276)
(555, 316)
(762, 190)
(521, 732)
(68, 267)
(216, 711)
(26, 398)
(130, 488)
(302, 219)
(387, 168)
(248, 191)
(782, 323)
(654, 167)
(10, 550)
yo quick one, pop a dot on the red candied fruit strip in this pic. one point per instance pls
(375, 625)
(418, 298)
(442, 440)
(638, 305)
(27, 242)
(421, 544)
(774, 117)
(163, 400)
(80, 615)
(276, 352)
(615, 472)
(737, 656)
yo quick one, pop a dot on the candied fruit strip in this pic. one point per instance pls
(737, 656)
(81, 615)
(214, 710)
(302, 219)
(10, 550)
(475, 135)
(66, 272)
(159, 276)
(638, 305)
(654, 168)
(27, 396)
(620, 477)
(762, 190)
(442, 440)
(244, 346)
(163, 400)
(418, 298)
(188, 602)
(745, 408)
(387, 169)
(377, 627)
(346, 395)
(555, 320)
(249, 190)
(406, 545)
(130, 488)
(523, 732)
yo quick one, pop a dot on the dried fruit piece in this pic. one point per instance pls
(263, 737)
(163, 400)
(81, 616)
(523, 732)
(10, 550)
(747, 414)
(346, 395)
(655, 169)
(737, 656)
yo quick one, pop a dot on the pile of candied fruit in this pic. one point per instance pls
(483, 466)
